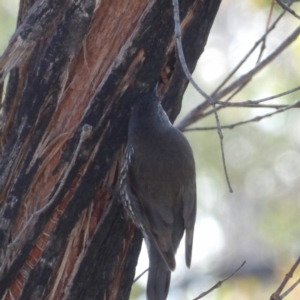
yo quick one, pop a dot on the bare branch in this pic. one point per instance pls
(263, 44)
(264, 99)
(288, 276)
(218, 284)
(197, 112)
(255, 119)
(195, 85)
(290, 39)
(138, 277)
(187, 73)
(236, 92)
(257, 43)
(286, 8)
(288, 291)
(253, 105)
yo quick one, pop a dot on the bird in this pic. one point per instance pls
(157, 187)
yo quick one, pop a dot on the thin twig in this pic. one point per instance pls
(219, 284)
(251, 103)
(195, 85)
(236, 91)
(255, 119)
(263, 44)
(262, 40)
(138, 277)
(288, 291)
(288, 276)
(286, 8)
(266, 98)
(254, 102)
(197, 112)
(290, 39)
(256, 44)
(177, 30)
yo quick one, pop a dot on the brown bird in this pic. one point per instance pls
(158, 189)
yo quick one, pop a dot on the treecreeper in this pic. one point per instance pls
(157, 186)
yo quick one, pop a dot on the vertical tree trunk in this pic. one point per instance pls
(75, 68)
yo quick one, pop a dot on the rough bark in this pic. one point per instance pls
(76, 68)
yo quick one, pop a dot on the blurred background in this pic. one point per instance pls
(259, 222)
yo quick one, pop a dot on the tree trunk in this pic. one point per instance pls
(75, 69)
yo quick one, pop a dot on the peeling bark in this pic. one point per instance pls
(76, 68)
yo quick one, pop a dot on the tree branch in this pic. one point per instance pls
(288, 276)
(255, 119)
(197, 112)
(196, 86)
(218, 284)
(288, 9)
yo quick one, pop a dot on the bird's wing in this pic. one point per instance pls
(189, 216)
(157, 217)
(188, 194)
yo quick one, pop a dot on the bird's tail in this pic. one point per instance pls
(159, 276)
